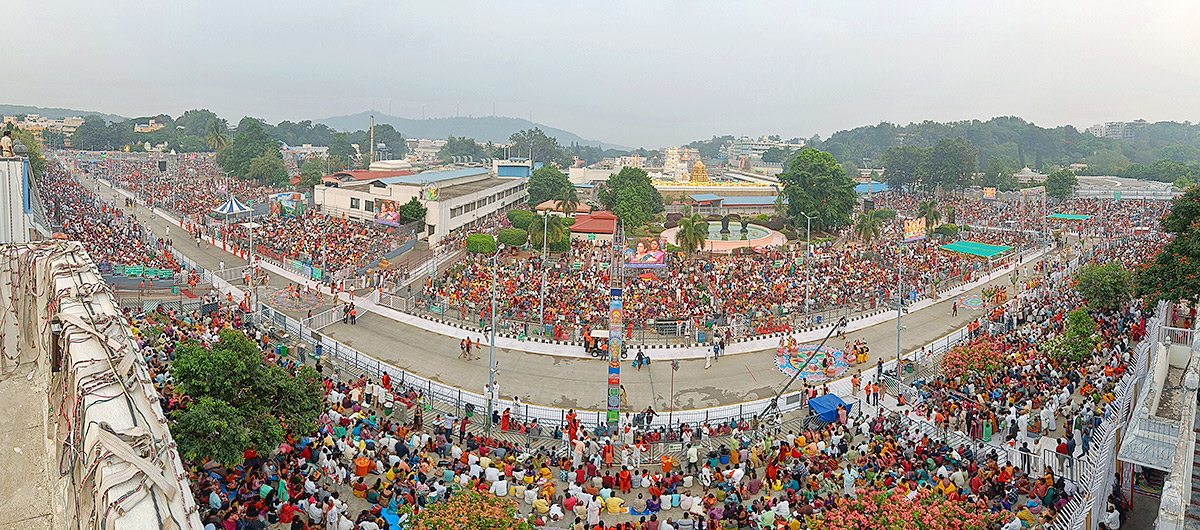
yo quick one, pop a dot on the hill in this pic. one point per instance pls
(54, 113)
(1017, 143)
(496, 129)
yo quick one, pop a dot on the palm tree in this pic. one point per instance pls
(217, 138)
(929, 210)
(693, 232)
(567, 201)
(867, 227)
(551, 224)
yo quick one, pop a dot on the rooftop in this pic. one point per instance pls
(602, 222)
(976, 249)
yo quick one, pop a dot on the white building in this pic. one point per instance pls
(1117, 130)
(453, 199)
(751, 149)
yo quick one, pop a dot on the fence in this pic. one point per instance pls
(1095, 474)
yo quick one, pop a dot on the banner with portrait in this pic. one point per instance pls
(914, 229)
(387, 212)
(646, 253)
(989, 194)
(287, 204)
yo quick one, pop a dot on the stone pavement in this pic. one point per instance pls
(582, 382)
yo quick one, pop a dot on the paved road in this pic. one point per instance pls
(582, 383)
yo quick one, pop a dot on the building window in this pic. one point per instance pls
(353, 203)
(369, 206)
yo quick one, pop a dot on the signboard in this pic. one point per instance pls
(287, 204)
(316, 273)
(133, 271)
(989, 194)
(616, 314)
(591, 237)
(430, 191)
(387, 212)
(647, 253)
(150, 272)
(165, 274)
(914, 229)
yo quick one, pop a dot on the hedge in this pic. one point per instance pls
(567, 221)
(948, 230)
(481, 244)
(520, 218)
(513, 237)
(655, 229)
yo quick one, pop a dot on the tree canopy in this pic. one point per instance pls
(250, 142)
(1104, 287)
(816, 185)
(547, 183)
(538, 147)
(1174, 274)
(461, 146)
(239, 402)
(1061, 184)
(631, 197)
(268, 169)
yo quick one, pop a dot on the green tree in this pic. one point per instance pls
(197, 122)
(540, 148)
(481, 244)
(251, 141)
(868, 225)
(631, 197)
(340, 147)
(268, 169)
(547, 183)
(776, 155)
(238, 401)
(1104, 287)
(550, 224)
(217, 138)
(513, 237)
(567, 201)
(411, 211)
(902, 165)
(461, 147)
(1061, 184)
(1183, 183)
(1077, 339)
(950, 164)
(997, 175)
(311, 171)
(692, 234)
(37, 162)
(815, 184)
(520, 218)
(929, 211)
(93, 135)
(1174, 274)
(384, 134)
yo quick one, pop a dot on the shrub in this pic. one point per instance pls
(513, 237)
(670, 224)
(712, 218)
(674, 217)
(885, 214)
(673, 248)
(761, 218)
(790, 235)
(568, 221)
(775, 224)
(562, 245)
(481, 244)
(947, 230)
(520, 218)
(655, 229)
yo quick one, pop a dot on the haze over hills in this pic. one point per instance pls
(55, 113)
(496, 129)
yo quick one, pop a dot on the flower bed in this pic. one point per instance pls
(976, 357)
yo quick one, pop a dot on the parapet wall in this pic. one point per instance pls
(111, 461)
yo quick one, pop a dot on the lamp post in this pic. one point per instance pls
(492, 345)
(899, 300)
(807, 266)
(542, 296)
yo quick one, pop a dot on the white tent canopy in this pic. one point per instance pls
(231, 207)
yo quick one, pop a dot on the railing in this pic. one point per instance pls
(1180, 336)
(323, 319)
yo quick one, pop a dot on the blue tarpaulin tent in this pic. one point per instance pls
(825, 407)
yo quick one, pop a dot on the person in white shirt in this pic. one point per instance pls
(499, 488)
(492, 474)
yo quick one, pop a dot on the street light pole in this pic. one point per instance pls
(542, 296)
(899, 301)
(807, 265)
(492, 346)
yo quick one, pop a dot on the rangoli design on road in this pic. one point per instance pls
(788, 362)
(298, 301)
(973, 302)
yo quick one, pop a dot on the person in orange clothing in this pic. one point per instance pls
(624, 480)
(608, 452)
(667, 462)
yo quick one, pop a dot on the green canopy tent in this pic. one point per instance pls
(1069, 217)
(981, 250)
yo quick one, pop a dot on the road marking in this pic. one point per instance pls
(751, 373)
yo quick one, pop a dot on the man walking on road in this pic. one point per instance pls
(954, 310)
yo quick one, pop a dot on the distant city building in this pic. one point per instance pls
(753, 149)
(149, 127)
(1117, 130)
(1026, 175)
(36, 125)
(514, 167)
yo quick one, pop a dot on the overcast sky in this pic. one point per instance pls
(636, 73)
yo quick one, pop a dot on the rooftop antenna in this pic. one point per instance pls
(372, 141)
(422, 111)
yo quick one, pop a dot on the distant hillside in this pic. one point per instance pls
(495, 129)
(54, 113)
